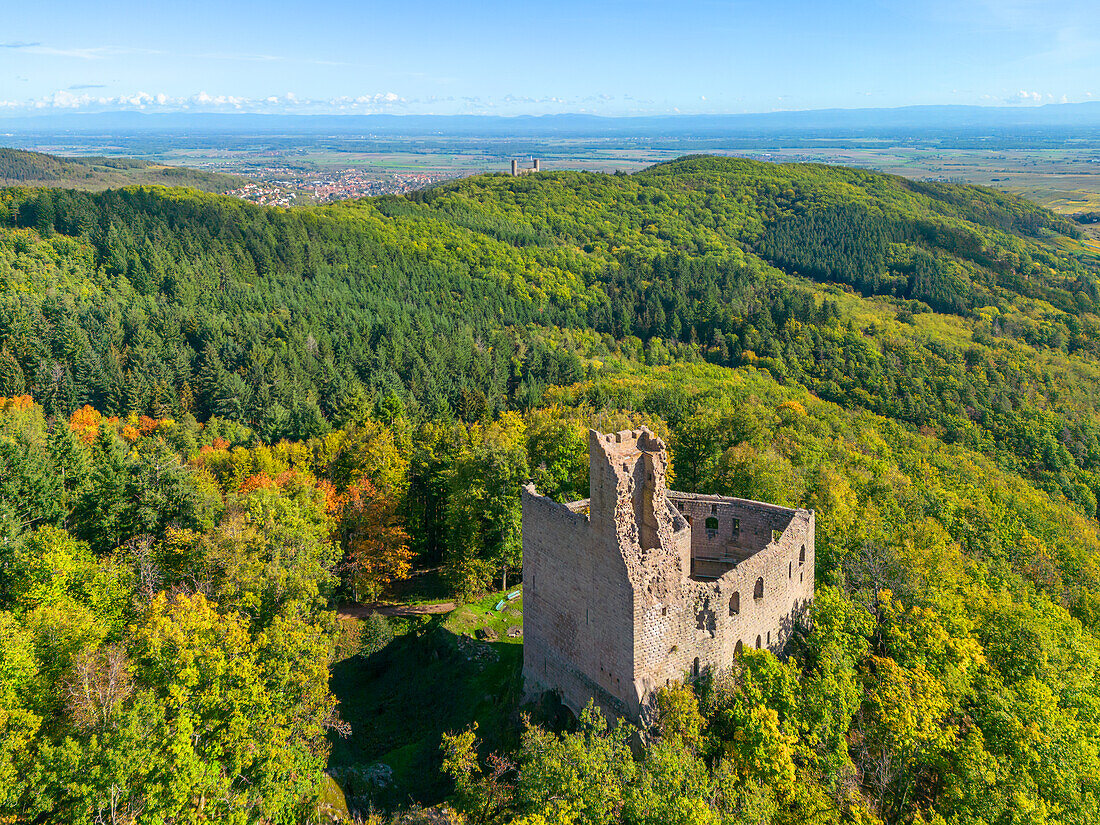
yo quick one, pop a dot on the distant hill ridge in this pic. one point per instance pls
(19, 167)
(921, 118)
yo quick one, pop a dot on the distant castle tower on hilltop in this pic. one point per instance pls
(516, 171)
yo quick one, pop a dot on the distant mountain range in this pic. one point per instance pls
(922, 119)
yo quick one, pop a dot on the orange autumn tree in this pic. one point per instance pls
(376, 546)
(85, 423)
(17, 403)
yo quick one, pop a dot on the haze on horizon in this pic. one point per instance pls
(608, 57)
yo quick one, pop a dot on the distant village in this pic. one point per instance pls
(286, 186)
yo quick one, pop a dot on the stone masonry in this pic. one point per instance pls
(639, 585)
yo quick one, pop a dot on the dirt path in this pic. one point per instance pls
(359, 611)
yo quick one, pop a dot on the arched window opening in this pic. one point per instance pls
(758, 590)
(695, 668)
(790, 569)
(737, 650)
(735, 603)
(757, 642)
(802, 555)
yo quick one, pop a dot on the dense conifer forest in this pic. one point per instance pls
(220, 421)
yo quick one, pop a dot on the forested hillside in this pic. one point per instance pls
(22, 168)
(220, 420)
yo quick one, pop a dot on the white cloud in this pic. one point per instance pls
(102, 52)
(91, 99)
(1024, 96)
(81, 52)
(78, 99)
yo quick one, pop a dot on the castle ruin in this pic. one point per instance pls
(527, 170)
(639, 586)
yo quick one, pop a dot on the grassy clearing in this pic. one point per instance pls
(469, 618)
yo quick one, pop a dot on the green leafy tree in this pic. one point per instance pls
(271, 553)
(483, 508)
(583, 775)
(19, 724)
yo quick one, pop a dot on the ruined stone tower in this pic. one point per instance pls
(640, 585)
(526, 170)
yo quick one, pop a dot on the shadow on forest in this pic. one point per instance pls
(401, 699)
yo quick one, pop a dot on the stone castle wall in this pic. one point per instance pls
(577, 608)
(640, 585)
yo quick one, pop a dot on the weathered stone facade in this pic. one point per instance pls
(641, 585)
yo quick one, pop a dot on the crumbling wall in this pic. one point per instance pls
(703, 624)
(726, 531)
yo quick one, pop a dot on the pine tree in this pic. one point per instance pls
(99, 515)
(11, 375)
(69, 458)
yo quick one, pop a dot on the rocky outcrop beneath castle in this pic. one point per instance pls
(641, 585)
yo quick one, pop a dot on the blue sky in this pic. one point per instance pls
(612, 58)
